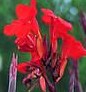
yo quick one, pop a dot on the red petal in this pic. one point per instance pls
(40, 48)
(67, 43)
(72, 48)
(42, 83)
(22, 11)
(22, 67)
(48, 12)
(26, 12)
(33, 12)
(34, 26)
(33, 3)
(35, 57)
(77, 51)
(8, 30)
(64, 24)
(46, 19)
(17, 28)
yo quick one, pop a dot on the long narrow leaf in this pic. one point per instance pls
(13, 74)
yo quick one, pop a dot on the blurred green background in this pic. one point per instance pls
(67, 9)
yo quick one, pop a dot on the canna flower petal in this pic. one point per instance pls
(22, 11)
(8, 28)
(79, 51)
(66, 45)
(21, 27)
(33, 3)
(72, 48)
(17, 28)
(63, 25)
(50, 17)
(22, 67)
(25, 11)
(40, 47)
(48, 12)
(26, 21)
(26, 67)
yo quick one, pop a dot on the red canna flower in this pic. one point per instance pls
(26, 29)
(58, 27)
(72, 48)
(26, 21)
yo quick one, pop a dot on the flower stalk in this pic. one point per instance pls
(74, 84)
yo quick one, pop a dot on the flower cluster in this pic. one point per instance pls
(44, 56)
